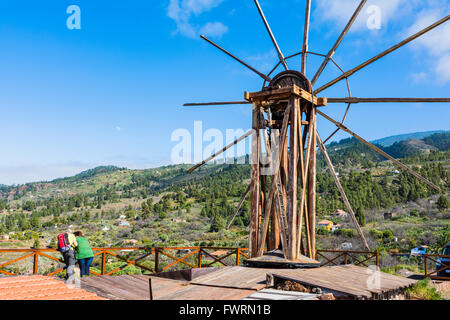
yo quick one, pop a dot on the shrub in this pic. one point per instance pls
(423, 290)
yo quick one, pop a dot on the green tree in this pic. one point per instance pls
(360, 217)
(442, 203)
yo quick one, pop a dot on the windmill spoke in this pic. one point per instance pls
(249, 133)
(384, 154)
(341, 190)
(306, 35)
(338, 129)
(237, 59)
(338, 42)
(280, 54)
(238, 208)
(384, 53)
(377, 100)
(224, 103)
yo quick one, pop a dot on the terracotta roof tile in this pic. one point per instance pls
(41, 288)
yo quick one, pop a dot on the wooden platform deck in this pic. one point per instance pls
(275, 259)
(347, 281)
(236, 283)
(136, 287)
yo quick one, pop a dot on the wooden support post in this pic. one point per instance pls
(291, 250)
(238, 253)
(103, 263)
(150, 288)
(199, 257)
(156, 260)
(36, 263)
(254, 189)
(312, 183)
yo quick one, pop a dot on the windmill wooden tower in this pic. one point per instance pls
(283, 202)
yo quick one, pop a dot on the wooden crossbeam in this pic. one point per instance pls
(284, 93)
(354, 100)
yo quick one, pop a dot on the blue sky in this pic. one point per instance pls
(112, 92)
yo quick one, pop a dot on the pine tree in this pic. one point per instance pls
(442, 203)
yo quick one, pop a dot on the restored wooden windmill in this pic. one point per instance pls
(283, 203)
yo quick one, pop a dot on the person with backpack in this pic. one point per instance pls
(84, 254)
(67, 244)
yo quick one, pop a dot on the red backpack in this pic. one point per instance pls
(63, 242)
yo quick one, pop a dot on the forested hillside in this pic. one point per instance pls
(166, 206)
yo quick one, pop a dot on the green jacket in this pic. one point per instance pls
(84, 249)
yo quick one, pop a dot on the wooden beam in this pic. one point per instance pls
(381, 55)
(254, 189)
(224, 103)
(273, 187)
(238, 208)
(291, 250)
(377, 100)
(237, 59)
(272, 37)
(249, 133)
(384, 154)
(312, 184)
(341, 190)
(338, 42)
(306, 35)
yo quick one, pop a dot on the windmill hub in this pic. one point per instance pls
(290, 78)
(283, 80)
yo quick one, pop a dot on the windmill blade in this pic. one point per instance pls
(377, 100)
(238, 208)
(236, 58)
(384, 154)
(249, 133)
(306, 35)
(384, 53)
(341, 190)
(215, 103)
(338, 42)
(280, 54)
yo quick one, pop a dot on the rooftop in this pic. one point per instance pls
(41, 288)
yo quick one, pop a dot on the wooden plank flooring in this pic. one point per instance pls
(235, 283)
(352, 280)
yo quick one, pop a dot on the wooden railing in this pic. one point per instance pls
(339, 257)
(435, 272)
(164, 258)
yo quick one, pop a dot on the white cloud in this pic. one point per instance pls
(435, 44)
(118, 128)
(182, 11)
(214, 29)
(340, 12)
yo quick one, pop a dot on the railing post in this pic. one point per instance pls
(156, 260)
(426, 265)
(103, 263)
(36, 263)
(199, 258)
(238, 253)
(345, 258)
